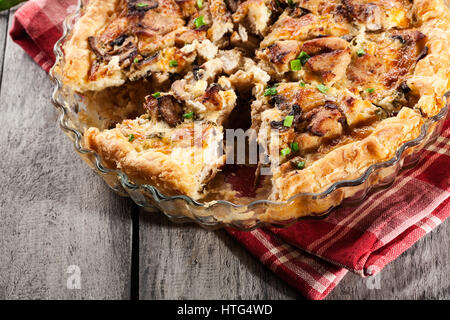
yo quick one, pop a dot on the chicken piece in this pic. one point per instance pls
(358, 112)
(324, 45)
(206, 90)
(330, 57)
(221, 23)
(277, 56)
(304, 27)
(255, 13)
(289, 94)
(411, 51)
(232, 60)
(365, 69)
(326, 121)
(379, 15)
(243, 40)
(331, 66)
(385, 65)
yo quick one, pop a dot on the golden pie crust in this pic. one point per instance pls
(345, 83)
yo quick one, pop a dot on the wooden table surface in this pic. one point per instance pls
(55, 213)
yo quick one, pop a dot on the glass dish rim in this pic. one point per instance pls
(159, 197)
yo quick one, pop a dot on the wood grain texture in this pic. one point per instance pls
(183, 261)
(54, 211)
(200, 264)
(421, 272)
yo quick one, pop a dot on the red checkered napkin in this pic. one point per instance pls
(313, 255)
(37, 26)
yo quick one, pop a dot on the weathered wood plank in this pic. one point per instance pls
(187, 262)
(54, 211)
(4, 17)
(422, 272)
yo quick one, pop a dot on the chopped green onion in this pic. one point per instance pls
(136, 60)
(188, 115)
(142, 4)
(200, 4)
(270, 92)
(156, 95)
(303, 57)
(370, 90)
(296, 65)
(322, 88)
(302, 84)
(301, 164)
(285, 151)
(291, 3)
(198, 22)
(131, 137)
(360, 52)
(294, 146)
(173, 63)
(288, 121)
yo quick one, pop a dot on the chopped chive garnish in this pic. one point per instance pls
(156, 95)
(131, 137)
(200, 4)
(285, 151)
(322, 88)
(303, 57)
(136, 60)
(188, 115)
(294, 146)
(288, 121)
(302, 84)
(360, 52)
(291, 3)
(296, 65)
(173, 63)
(142, 4)
(198, 22)
(270, 92)
(301, 164)
(370, 90)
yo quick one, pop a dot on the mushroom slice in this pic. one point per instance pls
(368, 13)
(167, 107)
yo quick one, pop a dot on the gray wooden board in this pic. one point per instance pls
(421, 272)
(184, 261)
(187, 262)
(54, 211)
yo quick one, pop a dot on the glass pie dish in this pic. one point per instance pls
(217, 213)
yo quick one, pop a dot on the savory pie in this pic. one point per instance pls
(331, 86)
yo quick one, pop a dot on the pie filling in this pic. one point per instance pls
(328, 86)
